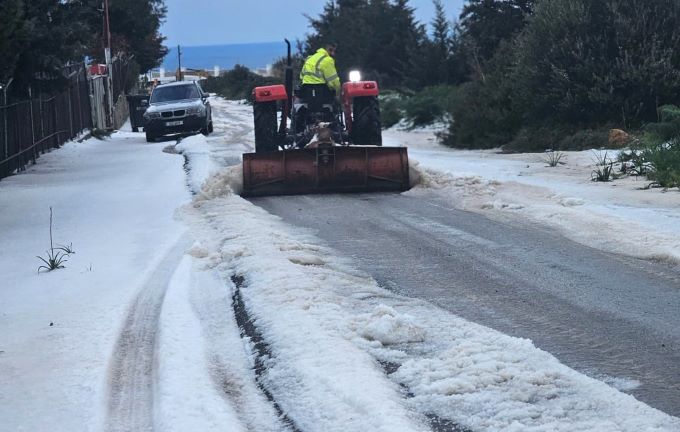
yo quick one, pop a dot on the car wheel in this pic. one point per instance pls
(150, 137)
(210, 127)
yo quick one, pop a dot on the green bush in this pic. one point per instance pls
(585, 139)
(430, 105)
(668, 126)
(477, 123)
(559, 137)
(391, 110)
(660, 148)
(664, 159)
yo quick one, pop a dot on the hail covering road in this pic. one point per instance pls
(611, 317)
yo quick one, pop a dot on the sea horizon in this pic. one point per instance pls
(225, 56)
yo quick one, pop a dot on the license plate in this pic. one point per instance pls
(174, 123)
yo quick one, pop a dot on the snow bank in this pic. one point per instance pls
(618, 217)
(327, 325)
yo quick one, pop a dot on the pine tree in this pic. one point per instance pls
(485, 24)
(435, 65)
(12, 36)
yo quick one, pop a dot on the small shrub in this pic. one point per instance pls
(554, 158)
(536, 139)
(604, 168)
(664, 162)
(476, 123)
(585, 139)
(55, 259)
(659, 150)
(430, 105)
(391, 111)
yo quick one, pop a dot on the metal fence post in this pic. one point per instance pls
(30, 110)
(70, 112)
(42, 119)
(4, 92)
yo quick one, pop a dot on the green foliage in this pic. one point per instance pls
(667, 128)
(485, 24)
(538, 139)
(12, 36)
(434, 66)
(580, 61)
(135, 26)
(39, 37)
(659, 149)
(429, 105)
(379, 37)
(551, 76)
(391, 110)
(585, 139)
(664, 160)
(604, 168)
(53, 261)
(482, 111)
(237, 83)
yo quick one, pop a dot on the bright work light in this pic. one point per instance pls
(355, 76)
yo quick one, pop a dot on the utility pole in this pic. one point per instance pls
(179, 64)
(109, 65)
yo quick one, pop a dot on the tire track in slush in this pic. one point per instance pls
(261, 350)
(132, 369)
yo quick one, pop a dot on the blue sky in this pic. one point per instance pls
(213, 22)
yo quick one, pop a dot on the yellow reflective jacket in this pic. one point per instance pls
(319, 68)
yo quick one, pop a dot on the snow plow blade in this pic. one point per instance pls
(325, 170)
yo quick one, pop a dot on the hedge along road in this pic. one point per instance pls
(611, 317)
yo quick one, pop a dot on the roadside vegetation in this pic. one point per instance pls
(38, 38)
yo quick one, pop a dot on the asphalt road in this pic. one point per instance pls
(608, 316)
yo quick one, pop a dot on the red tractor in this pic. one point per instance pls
(306, 143)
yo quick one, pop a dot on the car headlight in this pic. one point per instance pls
(152, 116)
(196, 110)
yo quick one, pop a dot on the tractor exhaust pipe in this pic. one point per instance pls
(289, 91)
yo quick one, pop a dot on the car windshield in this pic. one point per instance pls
(173, 93)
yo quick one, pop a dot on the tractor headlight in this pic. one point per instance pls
(355, 76)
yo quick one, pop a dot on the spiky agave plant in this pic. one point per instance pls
(604, 168)
(554, 158)
(55, 259)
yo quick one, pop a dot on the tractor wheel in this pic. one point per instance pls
(265, 126)
(366, 128)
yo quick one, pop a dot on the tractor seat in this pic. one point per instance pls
(316, 96)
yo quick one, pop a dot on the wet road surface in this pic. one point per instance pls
(611, 317)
